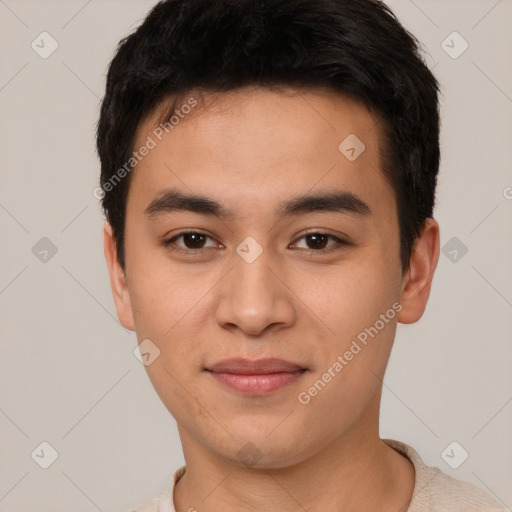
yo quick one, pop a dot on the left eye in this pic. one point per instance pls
(319, 241)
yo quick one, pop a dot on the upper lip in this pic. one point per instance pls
(258, 367)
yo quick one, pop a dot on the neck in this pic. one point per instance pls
(356, 471)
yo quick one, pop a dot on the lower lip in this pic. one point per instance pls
(257, 384)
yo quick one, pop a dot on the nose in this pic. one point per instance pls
(254, 296)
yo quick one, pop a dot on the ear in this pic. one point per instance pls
(117, 279)
(417, 280)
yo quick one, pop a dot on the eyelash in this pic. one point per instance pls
(317, 252)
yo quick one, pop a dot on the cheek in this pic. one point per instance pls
(167, 310)
(349, 298)
(351, 303)
(173, 308)
(162, 294)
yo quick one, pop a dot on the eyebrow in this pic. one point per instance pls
(335, 201)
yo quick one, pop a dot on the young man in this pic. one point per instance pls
(268, 174)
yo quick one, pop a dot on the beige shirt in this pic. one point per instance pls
(434, 491)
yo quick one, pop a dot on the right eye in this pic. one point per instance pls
(193, 241)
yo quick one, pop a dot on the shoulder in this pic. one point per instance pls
(165, 500)
(150, 506)
(436, 491)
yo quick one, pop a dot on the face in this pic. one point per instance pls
(263, 263)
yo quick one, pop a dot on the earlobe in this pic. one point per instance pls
(417, 280)
(117, 279)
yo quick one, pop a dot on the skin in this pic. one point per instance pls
(250, 150)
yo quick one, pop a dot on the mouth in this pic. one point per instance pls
(255, 378)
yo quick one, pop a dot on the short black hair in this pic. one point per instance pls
(353, 47)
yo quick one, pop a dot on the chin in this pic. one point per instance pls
(259, 450)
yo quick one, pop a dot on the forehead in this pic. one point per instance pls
(255, 143)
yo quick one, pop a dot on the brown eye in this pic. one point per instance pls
(318, 242)
(191, 240)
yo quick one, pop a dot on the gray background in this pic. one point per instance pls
(67, 369)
